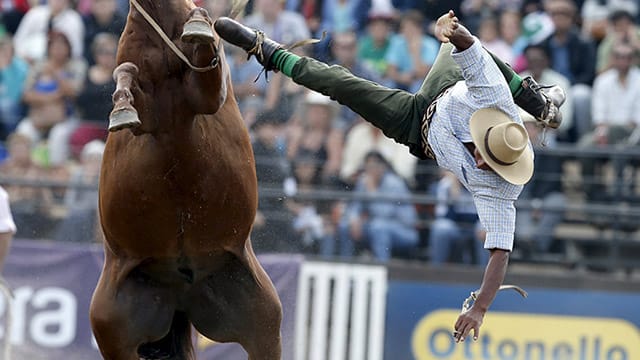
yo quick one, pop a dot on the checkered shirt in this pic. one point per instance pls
(484, 86)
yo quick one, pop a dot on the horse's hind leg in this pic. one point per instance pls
(124, 115)
(126, 313)
(238, 303)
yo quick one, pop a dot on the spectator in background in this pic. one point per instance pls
(249, 93)
(344, 15)
(374, 222)
(31, 37)
(364, 138)
(474, 11)
(411, 53)
(316, 130)
(13, 74)
(7, 226)
(103, 18)
(94, 100)
(311, 217)
(271, 228)
(456, 234)
(490, 37)
(535, 224)
(621, 29)
(50, 92)
(538, 61)
(284, 26)
(594, 14)
(616, 110)
(574, 57)
(81, 199)
(30, 205)
(511, 32)
(373, 45)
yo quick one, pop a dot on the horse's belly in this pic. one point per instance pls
(146, 214)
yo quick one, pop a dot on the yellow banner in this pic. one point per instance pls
(516, 336)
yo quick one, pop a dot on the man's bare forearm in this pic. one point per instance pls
(461, 38)
(493, 277)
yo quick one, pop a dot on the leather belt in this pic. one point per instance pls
(426, 124)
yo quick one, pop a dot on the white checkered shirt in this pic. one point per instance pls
(484, 87)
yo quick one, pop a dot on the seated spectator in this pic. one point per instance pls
(7, 226)
(94, 100)
(364, 138)
(13, 74)
(490, 37)
(373, 45)
(538, 67)
(50, 92)
(621, 29)
(379, 224)
(81, 199)
(594, 15)
(574, 57)
(456, 234)
(249, 92)
(271, 226)
(616, 111)
(311, 218)
(30, 204)
(103, 18)
(31, 37)
(316, 129)
(535, 224)
(411, 53)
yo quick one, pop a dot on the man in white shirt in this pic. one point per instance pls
(7, 226)
(30, 39)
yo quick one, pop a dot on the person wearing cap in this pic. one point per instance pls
(470, 127)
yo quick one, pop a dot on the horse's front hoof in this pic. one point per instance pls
(197, 31)
(123, 119)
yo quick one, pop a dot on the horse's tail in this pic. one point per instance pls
(177, 344)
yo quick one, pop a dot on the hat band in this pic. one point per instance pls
(490, 153)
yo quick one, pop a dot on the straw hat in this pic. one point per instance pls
(503, 144)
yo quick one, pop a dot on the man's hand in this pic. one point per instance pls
(448, 29)
(467, 321)
(446, 26)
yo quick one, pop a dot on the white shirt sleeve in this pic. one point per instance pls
(6, 219)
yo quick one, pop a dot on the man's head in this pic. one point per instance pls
(344, 48)
(562, 14)
(379, 26)
(501, 145)
(622, 57)
(537, 59)
(375, 165)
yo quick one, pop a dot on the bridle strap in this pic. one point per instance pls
(172, 46)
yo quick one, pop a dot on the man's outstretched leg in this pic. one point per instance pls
(380, 104)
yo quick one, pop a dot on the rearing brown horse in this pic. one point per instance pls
(178, 196)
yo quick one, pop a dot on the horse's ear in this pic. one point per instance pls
(238, 7)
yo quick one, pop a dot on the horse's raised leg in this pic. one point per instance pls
(198, 28)
(128, 311)
(124, 115)
(239, 304)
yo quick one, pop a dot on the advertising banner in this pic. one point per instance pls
(551, 324)
(52, 285)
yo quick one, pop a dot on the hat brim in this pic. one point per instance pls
(518, 173)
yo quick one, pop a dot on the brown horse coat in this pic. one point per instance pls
(178, 196)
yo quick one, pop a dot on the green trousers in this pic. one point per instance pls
(397, 113)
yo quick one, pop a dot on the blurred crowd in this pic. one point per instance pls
(56, 64)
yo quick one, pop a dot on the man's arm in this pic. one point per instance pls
(493, 277)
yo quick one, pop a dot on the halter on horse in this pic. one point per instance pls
(178, 196)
